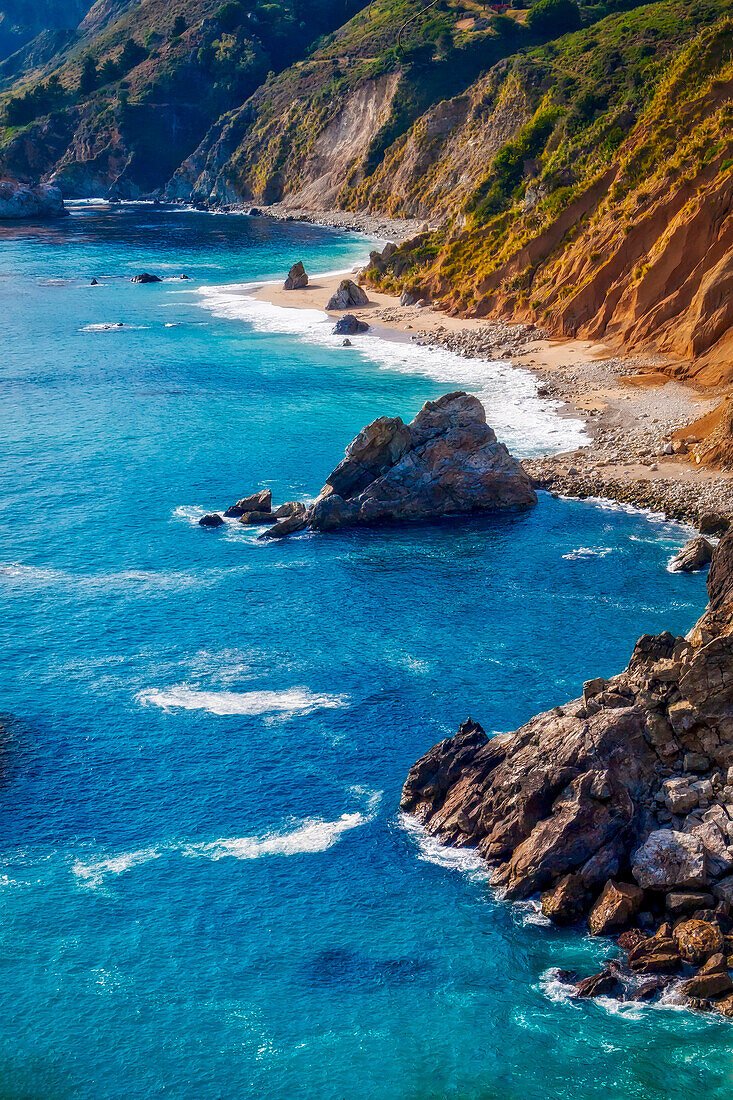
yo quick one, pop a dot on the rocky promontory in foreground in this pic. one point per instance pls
(21, 200)
(616, 807)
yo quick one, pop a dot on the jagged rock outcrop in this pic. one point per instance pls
(447, 461)
(347, 295)
(297, 277)
(694, 555)
(21, 200)
(609, 787)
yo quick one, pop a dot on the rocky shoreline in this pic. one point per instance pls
(617, 808)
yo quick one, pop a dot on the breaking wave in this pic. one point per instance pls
(291, 703)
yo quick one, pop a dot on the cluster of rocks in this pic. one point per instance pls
(256, 511)
(491, 340)
(689, 501)
(617, 808)
(447, 461)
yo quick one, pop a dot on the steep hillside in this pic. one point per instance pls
(608, 212)
(121, 102)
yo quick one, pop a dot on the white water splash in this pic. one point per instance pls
(430, 850)
(292, 702)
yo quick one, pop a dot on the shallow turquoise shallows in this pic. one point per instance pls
(206, 887)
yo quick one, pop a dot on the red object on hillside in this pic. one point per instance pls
(499, 8)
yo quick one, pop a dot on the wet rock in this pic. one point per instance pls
(287, 526)
(655, 955)
(297, 278)
(347, 295)
(212, 519)
(649, 988)
(614, 909)
(145, 277)
(565, 902)
(697, 940)
(349, 325)
(669, 858)
(724, 1005)
(631, 938)
(290, 508)
(94, 282)
(257, 502)
(447, 461)
(604, 984)
(256, 519)
(711, 980)
(346, 343)
(694, 555)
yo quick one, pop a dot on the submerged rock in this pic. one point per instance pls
(297, 278)
(145, 277)
(694, 555)
(447, 461)
(348, 294)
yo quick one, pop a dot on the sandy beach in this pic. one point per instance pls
(632, 411)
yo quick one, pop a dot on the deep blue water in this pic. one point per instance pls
(206, 887)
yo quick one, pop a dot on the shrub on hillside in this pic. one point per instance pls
(552, 17)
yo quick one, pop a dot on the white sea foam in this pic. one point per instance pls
(95, 872)
(141, 581)
(430, 850)
(311, 835)
(529, 424)
(113, 326)
(291, 703)
(582, 552)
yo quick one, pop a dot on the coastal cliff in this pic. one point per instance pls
(18, 200)
(627, 791)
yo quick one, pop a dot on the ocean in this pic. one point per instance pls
(207, 888)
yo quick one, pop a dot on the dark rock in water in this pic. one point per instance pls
(256, 519)
(694, 555)
(347, 295)
(346, 343)
(649, 988)
(349, 325)
(255, 212)
(145, 277)
(297, 278)
(186, 277)
(94, 283)
(287, 526)
(604, 984)
(447, 461)
(213, 519)
(290, 508)
(711, 980)
(710, 523)
(257, 502)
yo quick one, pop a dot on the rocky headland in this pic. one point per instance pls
(22, 200)
(616, 808)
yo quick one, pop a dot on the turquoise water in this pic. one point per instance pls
(206, 887)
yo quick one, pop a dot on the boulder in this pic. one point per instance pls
(616, 906)
(346, 343)
(697, 940)
(256, 519)
(655, 955)
(22, 200)
(565, 902)
(694, 555)
(145, 277)
(94, 282)
(723, 890)
(711, 980)
(669, 859)
(604, 984)
(685, 902)
(710, 523)
(257, 502)
(297, 278)
(287, 526)
(349, 325)
(447, 461)
(212, 519)
(289, 508)
(696, 762)
(347, 295)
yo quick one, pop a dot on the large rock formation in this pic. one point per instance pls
(21, 200)
(447, 461)
(633, 782)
